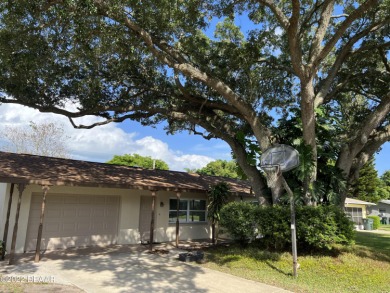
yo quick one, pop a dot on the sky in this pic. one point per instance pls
(101, 143)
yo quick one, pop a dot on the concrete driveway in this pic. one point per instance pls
(129, 270)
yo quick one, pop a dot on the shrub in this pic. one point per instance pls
(273, 224)
(377, 221)
(323, 226)
(238, 219)
(318, 228)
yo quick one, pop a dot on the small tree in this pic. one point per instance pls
(366, 187)
(136, 160)
(43, 139)
(218, 197)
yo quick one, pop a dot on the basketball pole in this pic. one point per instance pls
(276, 157)
(293, 228)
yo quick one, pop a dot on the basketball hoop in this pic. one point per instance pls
(273, 173)
(274, 161)
(285, 156)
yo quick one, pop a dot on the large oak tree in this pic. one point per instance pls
(154, 61)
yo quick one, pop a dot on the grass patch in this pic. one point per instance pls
(8, 287)
(363, 267)
(384, 227)
(378, 244)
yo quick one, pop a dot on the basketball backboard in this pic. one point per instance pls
(282, 155)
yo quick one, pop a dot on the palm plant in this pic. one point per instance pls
(218, 197)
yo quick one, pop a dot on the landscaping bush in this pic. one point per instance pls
(273, 225)
(238, 219)
(318, 228)
(377, 221)
(323, 226)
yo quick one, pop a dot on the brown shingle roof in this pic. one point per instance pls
(30, 169)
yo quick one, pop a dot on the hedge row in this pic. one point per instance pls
(317, 227)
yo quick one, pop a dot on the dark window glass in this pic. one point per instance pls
(182, 216)
(198, 205)
(197, 216)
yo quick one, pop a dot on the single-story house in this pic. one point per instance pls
(382, 209)
(72, 203)
(357, 210)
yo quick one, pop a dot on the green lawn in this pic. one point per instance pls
(363, 267)
(385, 227)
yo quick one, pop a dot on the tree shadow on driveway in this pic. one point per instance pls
(130, 272)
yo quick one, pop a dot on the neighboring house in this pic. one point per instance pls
(89, 203)
(382, 209)
(357, 210)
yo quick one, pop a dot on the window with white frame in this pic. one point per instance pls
(190, 210)
(356, 215)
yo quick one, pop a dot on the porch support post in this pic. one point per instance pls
(178, 194)
(5, 235)
(45, 189)
(21, 188)
(152, 220)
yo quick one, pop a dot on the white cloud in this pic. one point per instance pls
(102, 143)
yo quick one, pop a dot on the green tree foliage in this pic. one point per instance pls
(366, 187)
(217, 196)
(136, 160)
(386, 178)
(160, 60)
(220, 168)
(384, 186)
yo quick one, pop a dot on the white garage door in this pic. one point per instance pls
(73, 220)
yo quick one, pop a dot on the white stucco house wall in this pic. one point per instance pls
(89, 203)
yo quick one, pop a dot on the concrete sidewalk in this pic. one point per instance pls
(131, 271)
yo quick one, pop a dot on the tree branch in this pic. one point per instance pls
(384, 59)
(281, 17)
(357, 13)
(326, 14)
(294, 41)
(344, 54)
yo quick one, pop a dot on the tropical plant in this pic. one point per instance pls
(218, 197)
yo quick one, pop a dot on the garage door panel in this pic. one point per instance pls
(99, 200)
(73, 220)
(98, 212)
(52, 228)
(70, 212)
(84, 228)
(112, 199)
(52, 199)
(52, 213)
(85, 200)
(70, 199)
(68, 228)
